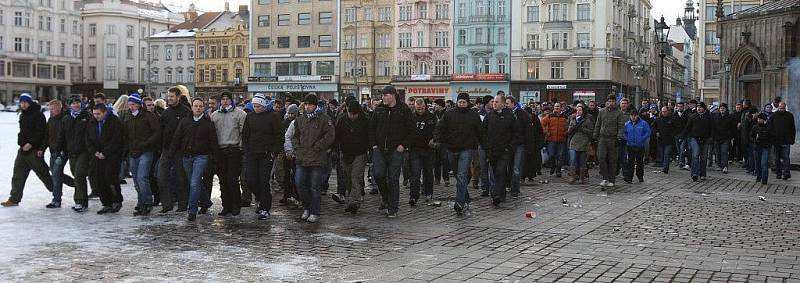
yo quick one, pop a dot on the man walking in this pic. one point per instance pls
(555, 127)
(105, 142)
(666, 126)
(698, 129)
(352, 139)
(526, 143)
(724, 129)
(170, 177)
(500, 139)
(58, 157)
(459, 133)
(196, 139)
(262, 139)
(143, 133)
(637, 133)
(32, 140)
(783, 128)
(609, 131)
(420, 153)
(229, 122)
(75, 126)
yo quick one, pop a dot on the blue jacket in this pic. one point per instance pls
(637, 134)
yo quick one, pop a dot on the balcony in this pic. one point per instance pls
(557, 25)
(582, 51)
(532, 53)
(427, 78)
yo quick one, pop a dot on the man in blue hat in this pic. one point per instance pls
(32, 140)
(143, 133)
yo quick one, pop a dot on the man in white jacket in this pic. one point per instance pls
(229, 122)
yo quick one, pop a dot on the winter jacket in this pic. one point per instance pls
(460, 129)
(391, 127)
(143, 133)
(636, 134)
(32, 128)
(352, 136)
(580, 132)
(724, 127)
(747, 123)
(667, 128)
(313, 136)
(761, 135)
(424, 125)
(55, 126)
(699, 125)
(500, 133)
(170, 119)
(106, 137)
(537, 133)
(610, 124)
(783, 128)
(229, 124)
(74, 132)
(681, 118)
(262, 133)
(195, 137)
(523, 120)
(555, 127)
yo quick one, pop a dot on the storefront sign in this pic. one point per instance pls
(478, 89)
(556, 86)
(291, 87)
(365, 90)
(420, 77)
(432, 90)
(529, 95)
(479, 77)
(303, 78)
(262, 79)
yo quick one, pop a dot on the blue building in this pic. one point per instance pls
(481, 53)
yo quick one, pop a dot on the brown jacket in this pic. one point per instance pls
(313, 136)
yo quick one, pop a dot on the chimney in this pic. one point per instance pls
(191, 15)
(243, 10)
(227, 6)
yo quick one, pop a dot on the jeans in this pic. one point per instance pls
(195, 166)
(557, 152)
(517, 168)
(666, 154)
(257, 171)
(499, 164)
(762, 162)
(699, 157)
(229, 171)
(79, 165)
(607, 156)
(723, 153)
(486, 175)
(353, 170)
(421, 163)
(683, 148)
(623, 160)
(170, 181)
(578, 162)
(461, 160)
(309, 184)
(441, 165)
(387, 176)
(140, 167)
(635, 159)
(782, 162)
(57, 175)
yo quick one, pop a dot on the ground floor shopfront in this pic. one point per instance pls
(426, 87)
(109, 90)
(569, 91)
(239, 93)
(294, 87)
(10, 91)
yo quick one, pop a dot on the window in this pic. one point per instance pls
(62, 26)
(533, 13)
(262, 69)
(18, 44)
(405, 13)
(168, 76)
(501, 65)
(557, 12)
(325, 18)
(129, 74)
(583, 40)
(325, 68)
(533, 41)
(111, 73)
(202, 76)
(283, 19)
(584, 12)
(404, 68)
(92, 51)
(154, 53)
(420, 39)
(325, 41)
(558, 40)
(224, 51)
(263, 2)
(367, 13)
(213, 75)
(293, 68)
(349, 15)
(501, 10)
(111, 50)
(18, 19)
(711, 38)
(129, 31)
(21, 70)
(304, 19)
(462, 37)
(478, 36)
(179, 75)
(190, 76)
(28, 45)
(385, 14)
(303, 41)
(212, 50)
(49, 25)
(441, 67)
(480, 9)
(423, 10)
(441, 39)
(405, 39)
(75, 51)
(263, 43)
(442, 12)
(263, 21)
(349, 41)
(75, 27)
(711, 68)
(583, 69)
(384, 68)
(191, 52)
(461, 10)
(179, 52)
(111, 29)
(92, 73)
(533, 70)
(144, 32)
(168, 53)
(43, 71)
(383, 40)
(501, 36)
(557, 70)
(92, 30)
(129, 52)
(283, 42)
(364, 39)
(462, 64)
(28, 19)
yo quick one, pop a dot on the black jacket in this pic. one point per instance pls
(54, 128)
(761, 135)
(33, 128)
(460, 129)
(110, 139)
(666, 128)
(500, 132)
(195, 137)
(681, 118)
(74, 133)
(724, 127)
(424, 125)
(170, 118)
(391, 126)
(143, 132)
(699, 125)
(352, 136)
(523, 120)
(783, 128)
(262, 133)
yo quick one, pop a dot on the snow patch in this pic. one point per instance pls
(336, 237)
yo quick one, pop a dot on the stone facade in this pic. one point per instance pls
(367, 46)
(222, 56)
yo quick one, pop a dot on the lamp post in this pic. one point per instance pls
(662, 34)
(729, 77)
(637, 75)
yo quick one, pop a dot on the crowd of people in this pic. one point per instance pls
(173, 148)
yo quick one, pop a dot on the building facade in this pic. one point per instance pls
(423, 48)
(116, 57)
(581, 50)
(367, 46)
(221, 62)
(294, 48)
(40, 49)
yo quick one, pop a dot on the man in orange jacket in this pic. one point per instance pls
(555, 134)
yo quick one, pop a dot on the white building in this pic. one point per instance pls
(40, 48)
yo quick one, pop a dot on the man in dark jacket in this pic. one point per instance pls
(208, 176)
(262, 139)
(503, 129)
(762, 140)
(534, 155)
(391, 129)
(170, 177)
(75, 126)
(665, 129)
(441, 166)
(420, 153)
(784, 132)
(724, 129)
(104, 141)
(459, 132)
(32, 140)
(143, 132)
(681, 117)
(699, 128)
(57, 156)
(525, 133)
(352, 139)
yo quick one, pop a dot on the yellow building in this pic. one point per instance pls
(367, 33)
(222, 56)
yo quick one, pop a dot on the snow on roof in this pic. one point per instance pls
(176, 33)
(678, 34)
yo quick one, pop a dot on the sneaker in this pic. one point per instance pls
(192, 217)
(337, 198)
(496, 200)
(458, 208)
(313, 218)
(610, 184)
(412, 202)
(306, 214)
(203, 210)
(80, 208)
(55, 204)
(105, 210)
(354, 208)
(428, 198)
(392, 214)
(725, 170)
(604, 183)
(264, 215)
(686, 167)
(9, 203)
(514, 195)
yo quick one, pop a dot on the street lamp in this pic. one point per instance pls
(662, 34)
(729, 76)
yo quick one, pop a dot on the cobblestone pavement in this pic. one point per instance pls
(668, 229)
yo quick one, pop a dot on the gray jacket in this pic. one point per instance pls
(580, 135)
(610, 124)
(229, 127)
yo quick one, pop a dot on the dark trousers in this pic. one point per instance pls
(441, 165)
(246, 194)
(499, 165)
(79, 164)
(104, 174)
(387, 175)
(25, 162)
(154, 188)
(170, 179)
(608, 156)
(289, 185)
(229, 170)
(257, 170)
(421, 165)
(208, 184)
(635, 162)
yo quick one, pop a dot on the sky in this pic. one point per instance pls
(671, 9)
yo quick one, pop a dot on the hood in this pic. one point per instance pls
(35, 107)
